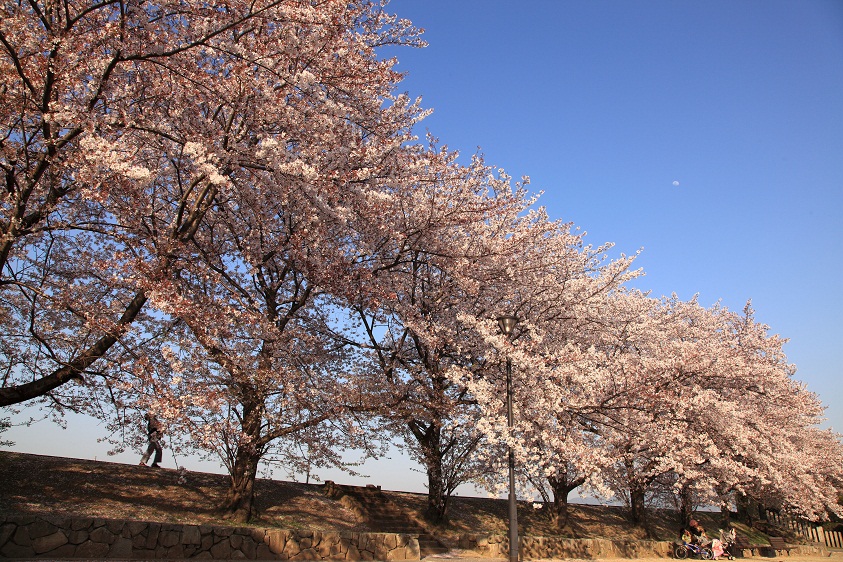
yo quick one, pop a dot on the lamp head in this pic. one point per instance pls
(507, 323)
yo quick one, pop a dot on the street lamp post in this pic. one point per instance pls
(507, 325)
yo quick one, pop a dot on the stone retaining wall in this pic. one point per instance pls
(535, 548)
(497, 546)
(76, 537)
(552, 547)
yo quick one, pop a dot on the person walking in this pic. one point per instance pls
(154, 433)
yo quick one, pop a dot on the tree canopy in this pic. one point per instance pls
(222, 214)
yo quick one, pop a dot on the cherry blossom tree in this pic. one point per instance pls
(555, 285)
(81, 84)
(712, 404)
(784, 460)
(556, 470)
(122, 123)
(285, 244)
(666, 392)
(219, 163)
(445, 251)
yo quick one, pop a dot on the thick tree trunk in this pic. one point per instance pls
(429, 439)
(437, 499)
(238, 504)
(686, 507)
(748, 509)
(559, 516)
(561, 488)
(725, 515)
(636, 504)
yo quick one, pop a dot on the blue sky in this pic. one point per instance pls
(605, 104)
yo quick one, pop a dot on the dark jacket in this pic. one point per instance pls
(154, 427)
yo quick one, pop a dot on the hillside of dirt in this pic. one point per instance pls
(33, 484)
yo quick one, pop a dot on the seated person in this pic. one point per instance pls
(698, 534)
(685, 535)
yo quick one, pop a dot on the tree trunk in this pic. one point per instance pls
(686, 507)
(559, 517)
(762, 512)
(561, 488)
(636, 505)
(429, 439)
(239, 499)
(725, 515)
(747, 508)
(437, 500)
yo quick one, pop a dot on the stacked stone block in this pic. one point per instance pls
(531, 548)
(557, 548)
(76, 537)
(56, 537)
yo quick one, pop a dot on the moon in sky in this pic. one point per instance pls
(676, 183)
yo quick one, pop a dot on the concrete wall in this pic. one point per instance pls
(77, 537)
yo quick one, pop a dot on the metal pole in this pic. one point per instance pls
(513, 508)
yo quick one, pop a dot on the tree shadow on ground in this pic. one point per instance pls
(57, 485)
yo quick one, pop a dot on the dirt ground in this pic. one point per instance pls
(40, 483)
(37, 484)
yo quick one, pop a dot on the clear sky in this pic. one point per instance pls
(607, 104)
(708, 133)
